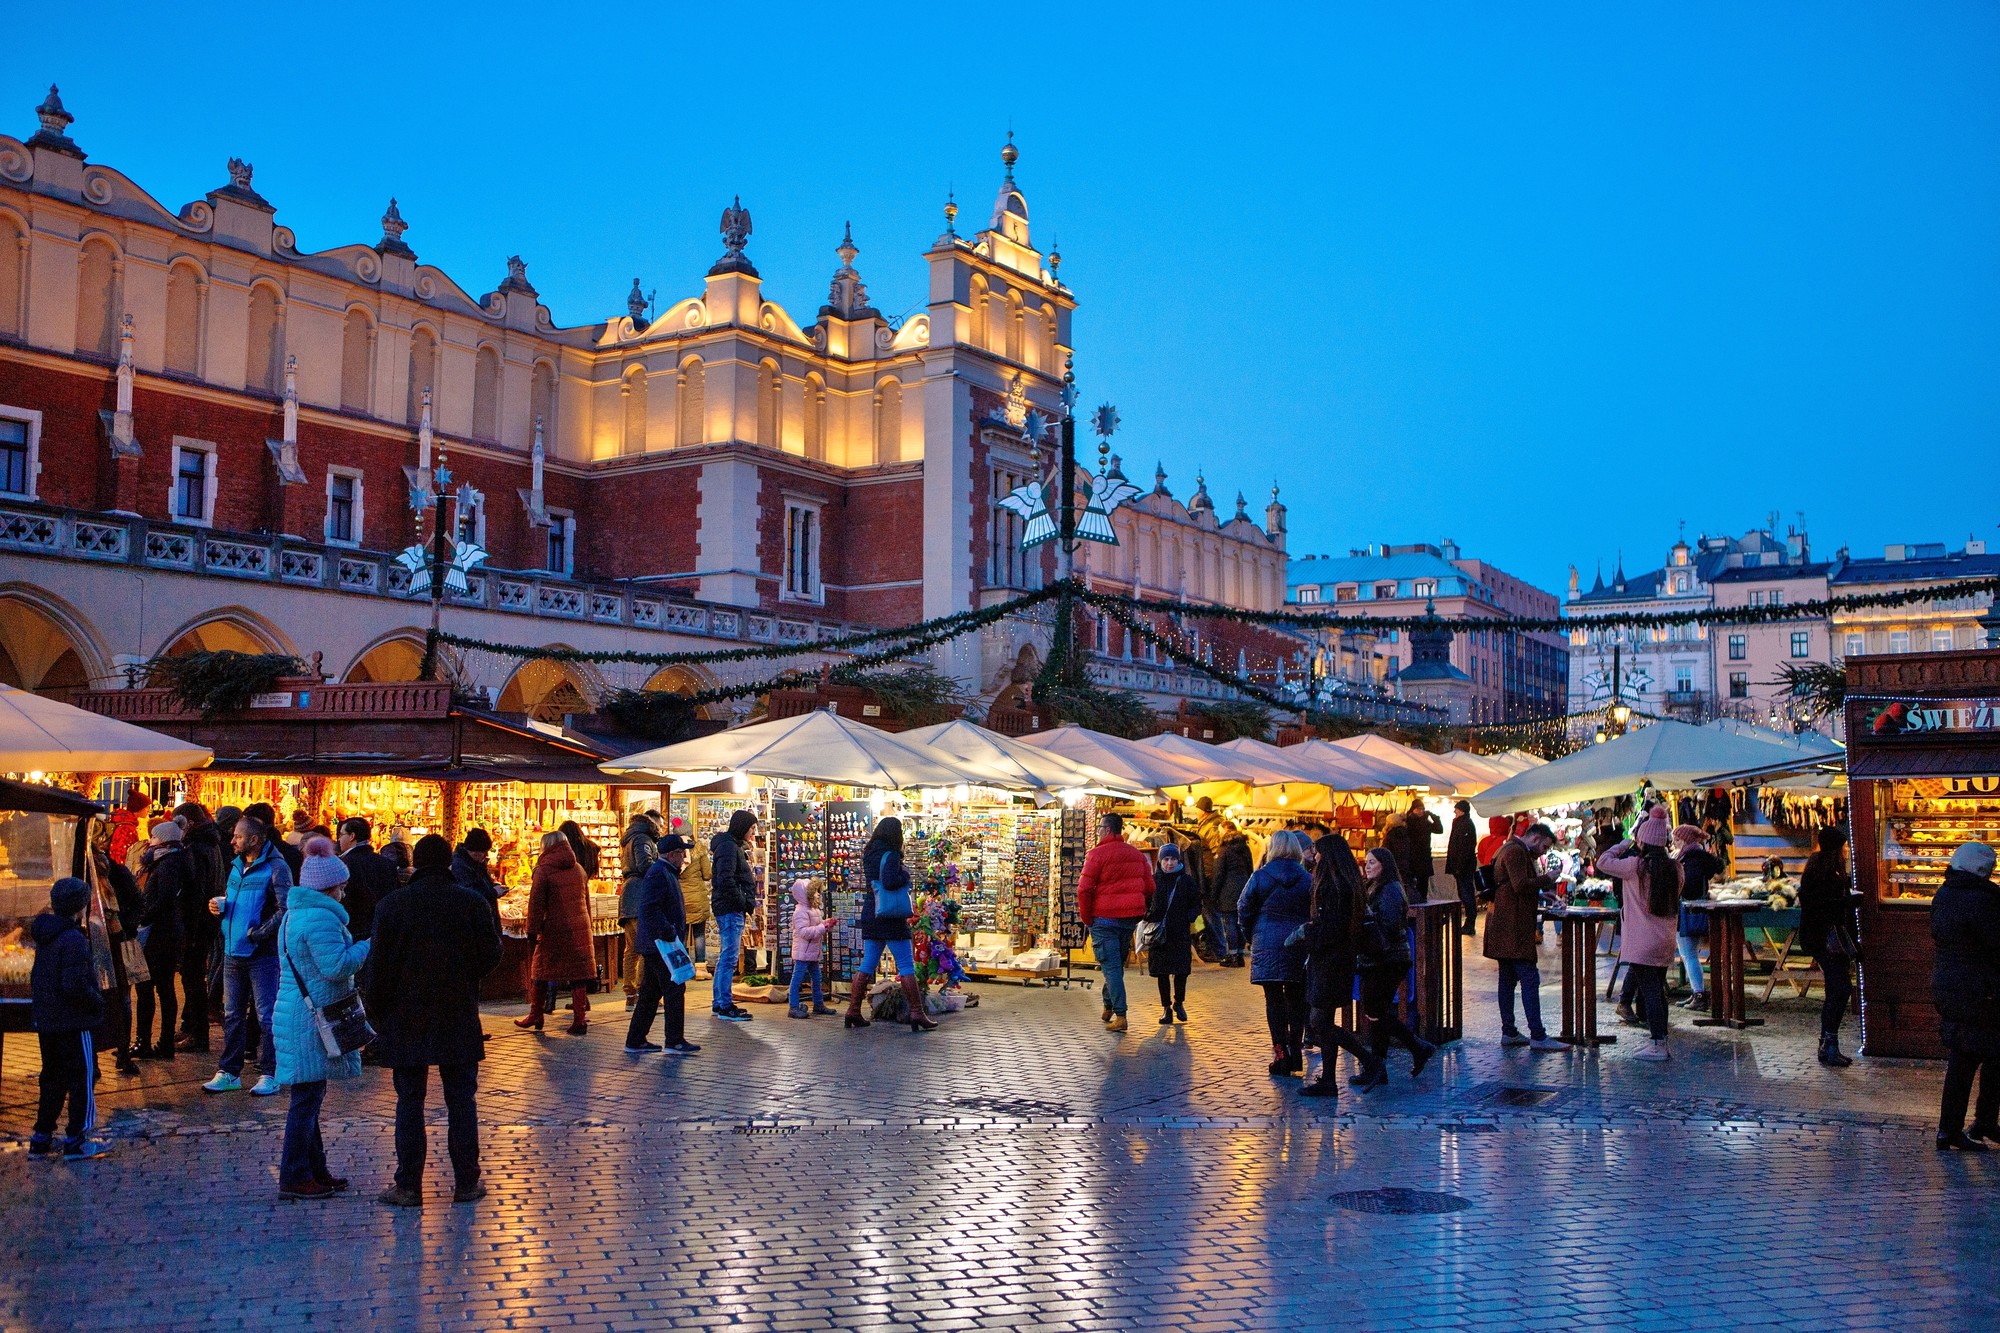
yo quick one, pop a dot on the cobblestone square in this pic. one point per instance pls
(1023, 1169)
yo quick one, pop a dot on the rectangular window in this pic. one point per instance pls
(1009, 566)
(1739, 685)
(1940, 640)
(1346, 592)
(1308, 596)
(802, 553)
(1899, 641)
(1384, 591)
(1683, 680)
(18, 438)
(1801, 643)
(1424, 588)
(1739, 647)
(1777, 597)
(193, 496)
(471, 516)
(560, 556)
(1757, 598)
(1857, 644)
(343, 508)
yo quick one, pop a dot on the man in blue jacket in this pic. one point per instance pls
(251, 908)
(662, 916)
(66, 1006)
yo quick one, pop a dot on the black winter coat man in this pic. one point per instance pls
(1965, 977)
(733, 885)
(1233, 868)
(211, 875)
(371, 877)
(169, 883)
(433, 942)
(1461, 852)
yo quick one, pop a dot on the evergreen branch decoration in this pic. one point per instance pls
(1088, 704)
(917, 695)
(1820, 686)
(660, 716)
(1233, 719)
(220, 682)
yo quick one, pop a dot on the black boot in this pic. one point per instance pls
(1829, 1051)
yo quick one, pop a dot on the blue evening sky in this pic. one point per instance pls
(1542, 278)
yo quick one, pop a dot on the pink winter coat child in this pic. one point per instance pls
(1644, 936)
(809, 924)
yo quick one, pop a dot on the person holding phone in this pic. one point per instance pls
(662, 916)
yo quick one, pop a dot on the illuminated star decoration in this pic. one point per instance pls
(1030, 500)
(464, 556)
(1106, 492)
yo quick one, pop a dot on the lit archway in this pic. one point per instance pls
(222, 635)
(391, 661)
(38, 653)
(688, 680)
(545, 691)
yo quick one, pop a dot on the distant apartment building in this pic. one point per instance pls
(1939, 626)
(1508, 677)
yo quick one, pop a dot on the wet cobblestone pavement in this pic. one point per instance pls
(1024, 1169)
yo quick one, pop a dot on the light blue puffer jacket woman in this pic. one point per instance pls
(314, 940)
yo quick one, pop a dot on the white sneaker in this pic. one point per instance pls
(1547, 1044)
(223, 1083)
(266, 1086)
(1654, 1052)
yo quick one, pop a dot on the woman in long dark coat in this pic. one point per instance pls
(1170, 957)
(1330, 952)
(1965, 986)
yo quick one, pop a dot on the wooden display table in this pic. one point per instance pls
(1726, 951)
(1576, 929)
(1437, 973)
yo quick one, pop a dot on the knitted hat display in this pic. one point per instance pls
(1655, 830)
(322, 873)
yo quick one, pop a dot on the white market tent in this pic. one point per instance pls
(1511, 762)
(1393, 772)
(1334, 770)
(39, 735)
(1667, 754)
(1037, 767)
(1224, 765)
(813, 747)
(1146, 767)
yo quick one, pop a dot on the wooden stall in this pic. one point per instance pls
(1923, 768)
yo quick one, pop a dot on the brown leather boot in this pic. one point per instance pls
(579, 1005)
(533, 1019)
(913, 996)
(855, 991)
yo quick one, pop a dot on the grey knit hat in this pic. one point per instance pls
(1975, 858)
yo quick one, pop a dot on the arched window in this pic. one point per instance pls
(888, 421)
(770, 405)
(693, 416)
(634, 394)
(184, 319)
(815, 407)
(1050, 360)
(264, 362)
(357, 344)
(13, 259)
(1016, 326)
(542, 405)
(423, 375)
(486, 394)
(979, 310)
(98, 303)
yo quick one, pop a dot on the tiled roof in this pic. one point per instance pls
(1945, 569)
(1366, 570)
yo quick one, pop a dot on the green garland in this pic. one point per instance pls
(1732, 615)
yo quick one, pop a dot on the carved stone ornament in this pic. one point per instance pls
(239, 173)
(848, 297)
(735, 235)
(1015, 412)
(393, 228)
(53, 134)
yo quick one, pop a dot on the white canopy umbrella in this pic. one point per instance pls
(1145, 766)
(1807, 743)
(813, 747)
(39, 735)
(1385, 772)
(1667, 754)
(1516, 761)
(1437, 770)
(1335, 770)
(1224, 765)
(1040, 768)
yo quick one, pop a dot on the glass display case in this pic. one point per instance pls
(1922, 821)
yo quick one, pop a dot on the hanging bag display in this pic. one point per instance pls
(343, 1023)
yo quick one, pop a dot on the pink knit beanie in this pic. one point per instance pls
(1655, 830)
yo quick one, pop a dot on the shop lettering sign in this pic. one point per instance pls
(1891, 719)
(274, 699)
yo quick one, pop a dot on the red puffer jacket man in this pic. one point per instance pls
(1117, 880)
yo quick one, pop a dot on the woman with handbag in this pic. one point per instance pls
(886, 910)
(317, 962)
(1383, 959)
(559, 933)
(1275, 903)
(1330, 936)
(1170, 941)
(1827, 926)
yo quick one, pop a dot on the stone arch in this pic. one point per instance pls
(423, 374)
(1016, 326)
(689, 679)
(357, 360)
(542, 404)
(227, 629)
(546, 690)
(46, 646)
(979, 310)
(770, 404)
(99, 296)
(633, 391)
(691, 398)
(1051, 359)
(13, 272)
(264, 355)
(187, 298)
(394, 658)
(888, 420)
(486, 392)
(815, 417)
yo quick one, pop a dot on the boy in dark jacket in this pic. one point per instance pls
(67, 1005)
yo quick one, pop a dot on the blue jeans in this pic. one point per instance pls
(304, 1158)
(1529, 977)
(1226, 936)
(1691, 960)
(729, 947)
(697, 941)
(244, 980)
(1111, 941)
(799, 973)
(900, 950)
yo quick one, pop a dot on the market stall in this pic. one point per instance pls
(1923, 768)
(44, 835)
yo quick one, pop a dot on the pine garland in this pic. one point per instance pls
(224, 681)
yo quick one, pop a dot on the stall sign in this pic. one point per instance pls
(1891, 719)
(274, 699)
